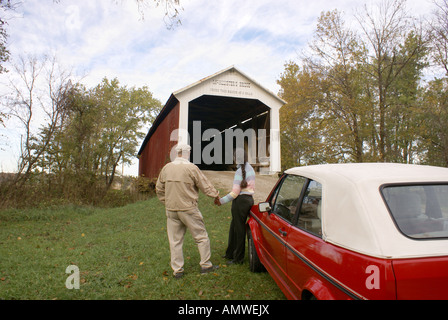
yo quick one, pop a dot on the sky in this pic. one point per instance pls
(109, 38)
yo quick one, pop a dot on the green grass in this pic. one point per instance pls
(121, 253)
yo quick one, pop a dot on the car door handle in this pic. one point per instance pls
(283, 233)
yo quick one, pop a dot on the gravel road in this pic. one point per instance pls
(223, 180)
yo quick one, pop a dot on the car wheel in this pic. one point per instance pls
(255, 264)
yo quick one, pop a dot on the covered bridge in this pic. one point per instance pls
(206, 114)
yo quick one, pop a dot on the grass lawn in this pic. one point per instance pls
(121, 253)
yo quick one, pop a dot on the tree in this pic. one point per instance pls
(336, 54)
(385, 30)
(403, 96)
(439, 34)
(172, 10)
(433, 101)
(103, 128)
(433, 133)
(356, 95)
(300, 137)
(5, 5)
(27, 101)
(124, 112)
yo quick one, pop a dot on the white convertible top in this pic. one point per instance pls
(354, 214)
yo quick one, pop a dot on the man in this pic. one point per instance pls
(178, 187)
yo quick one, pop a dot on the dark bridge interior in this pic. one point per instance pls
(221, 113)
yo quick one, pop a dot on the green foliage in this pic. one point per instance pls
(43, 190)
(116, 198)
(4, 52)
(357, 97)
(300, 141)
(75, 159)
(146, 185)
(433, 116)
(102, 130)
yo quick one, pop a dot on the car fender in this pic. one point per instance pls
(255, 230)
(253, 227)
(318, 289)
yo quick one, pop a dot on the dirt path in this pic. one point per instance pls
(223, 180)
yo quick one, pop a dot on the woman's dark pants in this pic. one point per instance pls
(237, 233)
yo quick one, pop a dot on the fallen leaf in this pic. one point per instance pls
(133, 277)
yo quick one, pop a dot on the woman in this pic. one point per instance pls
(242, 200)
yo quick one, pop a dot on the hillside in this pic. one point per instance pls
(121, 253)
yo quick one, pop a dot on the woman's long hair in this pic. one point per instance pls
(238, 152)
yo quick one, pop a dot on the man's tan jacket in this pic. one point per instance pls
(179, 183)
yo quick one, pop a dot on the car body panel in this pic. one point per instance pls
(425, 277)
(346, 272)
(273, 245)
(333, 264)
(317, 267)
(353, 201)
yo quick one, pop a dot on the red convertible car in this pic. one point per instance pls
(355, 231)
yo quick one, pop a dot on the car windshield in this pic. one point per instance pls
(419, 211)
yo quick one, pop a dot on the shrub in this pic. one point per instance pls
(115, 198)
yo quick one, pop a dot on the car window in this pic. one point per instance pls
(419, 211)
(286, 198)
(310, 211)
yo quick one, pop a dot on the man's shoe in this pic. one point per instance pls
(178, 275)
(230, 262)
(209, 269)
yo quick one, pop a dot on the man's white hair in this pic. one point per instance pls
(183, 148)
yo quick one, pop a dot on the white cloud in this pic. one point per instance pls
(109, 38)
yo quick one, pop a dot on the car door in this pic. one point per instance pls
(304, 241)
(277, 223)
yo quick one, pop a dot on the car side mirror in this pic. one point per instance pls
(264, 207)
